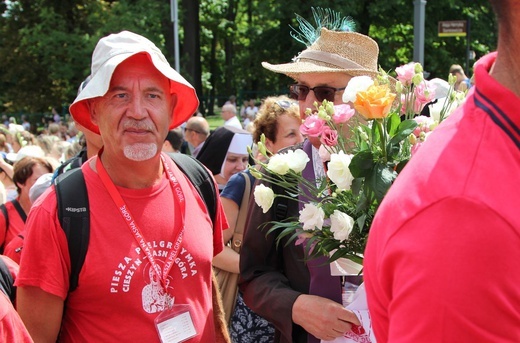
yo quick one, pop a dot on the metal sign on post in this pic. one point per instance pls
(453, 28)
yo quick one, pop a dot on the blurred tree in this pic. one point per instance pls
(45, 45)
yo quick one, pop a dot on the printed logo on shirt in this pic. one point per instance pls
(154, 297)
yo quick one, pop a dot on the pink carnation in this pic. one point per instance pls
(329, 137)
(342, 113)
(312, 126)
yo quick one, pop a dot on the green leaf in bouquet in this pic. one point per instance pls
(392, 124)
(361, 163)
(404, 130)
(361, 221)
(380, 180)
(401, 165)
(328, 207)
(290, 229)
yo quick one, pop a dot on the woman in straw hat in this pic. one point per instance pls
(303, 300)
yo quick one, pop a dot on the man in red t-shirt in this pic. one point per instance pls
(147, 273)
(441, 263)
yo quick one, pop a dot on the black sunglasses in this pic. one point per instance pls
(300, 92)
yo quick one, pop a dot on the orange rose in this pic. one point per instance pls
(375, 102)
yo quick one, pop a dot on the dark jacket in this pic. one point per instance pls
(274, 275)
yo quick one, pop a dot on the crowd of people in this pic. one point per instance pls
(154, 230)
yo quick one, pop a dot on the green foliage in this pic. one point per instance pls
(45, 45)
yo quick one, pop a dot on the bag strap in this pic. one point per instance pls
(200, 178)
(238, 235)
(6, 281)
(72, 163)
(74, 217)
(6, 216)
(280, 204)
(19, 209)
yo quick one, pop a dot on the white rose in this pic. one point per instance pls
(312, 216)
(341, 225)
(297, 160)
(264, 197)
(355, 85)
(278, 164)
(338, 171)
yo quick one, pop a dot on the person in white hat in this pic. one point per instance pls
(147, 222)
(300, 298)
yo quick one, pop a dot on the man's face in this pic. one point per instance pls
(134, 115)
(311, 80)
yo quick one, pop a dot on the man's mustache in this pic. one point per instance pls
(138, 125)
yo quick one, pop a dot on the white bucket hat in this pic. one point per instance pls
(28, 150)
(110, 51)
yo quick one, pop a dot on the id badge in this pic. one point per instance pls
(175, 325)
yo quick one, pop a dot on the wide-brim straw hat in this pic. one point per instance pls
(334, 52)
(113, 49)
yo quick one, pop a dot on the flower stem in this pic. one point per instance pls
(382, 135)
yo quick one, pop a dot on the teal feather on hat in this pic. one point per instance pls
(324, 18)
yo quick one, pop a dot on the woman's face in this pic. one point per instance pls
(287, 133)
(234, 163)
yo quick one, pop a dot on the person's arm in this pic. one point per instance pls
(228, 259)
(6, 167)
(41, 313)
(231, 198)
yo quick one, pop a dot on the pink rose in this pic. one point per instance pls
(329, 137)
(424, 93)
(405, 73)
(342, 113)
(312, 126)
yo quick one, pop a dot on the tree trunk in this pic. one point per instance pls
(190, 52)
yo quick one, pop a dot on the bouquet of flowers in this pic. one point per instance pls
(362, 161)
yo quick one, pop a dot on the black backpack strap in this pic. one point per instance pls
(7, 281)
(6, 216)
(72, 163)
(74, 217)
(19, 209)
(201, 178)
(280, 204)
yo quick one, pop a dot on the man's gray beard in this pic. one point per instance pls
(140, 151)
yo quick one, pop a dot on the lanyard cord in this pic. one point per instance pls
(180, 204)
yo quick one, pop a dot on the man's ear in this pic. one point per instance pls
(173, 101)
(91, 106)
(269, 145)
